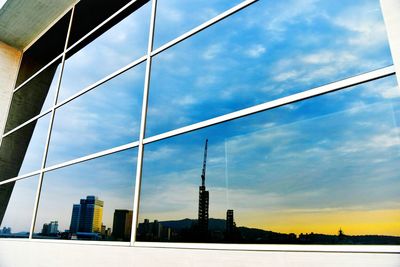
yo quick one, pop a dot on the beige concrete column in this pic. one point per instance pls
(9, 64)
(391, 15)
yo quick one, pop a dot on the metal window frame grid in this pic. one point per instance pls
(143, 140)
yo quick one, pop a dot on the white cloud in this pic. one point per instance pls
(120, 45)
(163, 153)
(392, 92)
(282, 14)
(255, 51)
(212, 51)
(185, 100)
(387, 89)
(288, 75)
(328, 57)
(367, 26)
(206, 80)
(385, 140)
(172, 14)
(207, 13)
(308, 68)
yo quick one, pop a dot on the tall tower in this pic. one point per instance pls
(122, 225)
(203, 197)
(230, 222)
(87, 216)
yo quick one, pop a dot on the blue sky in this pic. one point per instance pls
(269, 50)
(18, 215)
(343, 147)
(323, 155)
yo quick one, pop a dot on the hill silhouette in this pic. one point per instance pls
(185, 230)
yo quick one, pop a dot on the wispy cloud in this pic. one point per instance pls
(117, 47)
(367, 29)
(340, 162)
(255, 51)
(250, 58)
(212, 51)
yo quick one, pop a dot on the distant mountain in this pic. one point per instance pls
(178, 224)
(185, 231)
(213, 224)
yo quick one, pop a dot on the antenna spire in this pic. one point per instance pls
(203, 173)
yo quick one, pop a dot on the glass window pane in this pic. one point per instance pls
(17, 200)
(34, 97)
(92, 200)
(175, 17)
(103, 118)
(320, 171)
(85, 20)
(22, 151)
(114, 49)
(269, 50)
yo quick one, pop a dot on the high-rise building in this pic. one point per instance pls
(50, 228)
(122, 225)
(230, 223)
(203, 198)
(5, 231)
(87, 216)
(76, 211)
(154, 231)
(203, 209)
(53, 227)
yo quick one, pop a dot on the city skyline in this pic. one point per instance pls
(206, 229)
(301, 164)
(343, 173)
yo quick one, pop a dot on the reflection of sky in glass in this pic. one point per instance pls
(175, 17)
(34, 153)
(103, 118)
(114, 49)
(266, 51)
(313, 166)
(19, 211)
(110, 178)
(316, 165)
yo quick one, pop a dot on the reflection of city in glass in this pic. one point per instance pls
(206, 229)
(87, 223)
(321, 171)
(318, 171)
(91, 200)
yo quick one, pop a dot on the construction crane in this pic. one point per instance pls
(203, 173)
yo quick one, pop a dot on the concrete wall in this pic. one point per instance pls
(9, 63)
(20, 30)
(32, 254)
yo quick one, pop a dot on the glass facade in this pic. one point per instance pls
(316, 166)
(109, 179)
(254, 122)
(16, 221)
